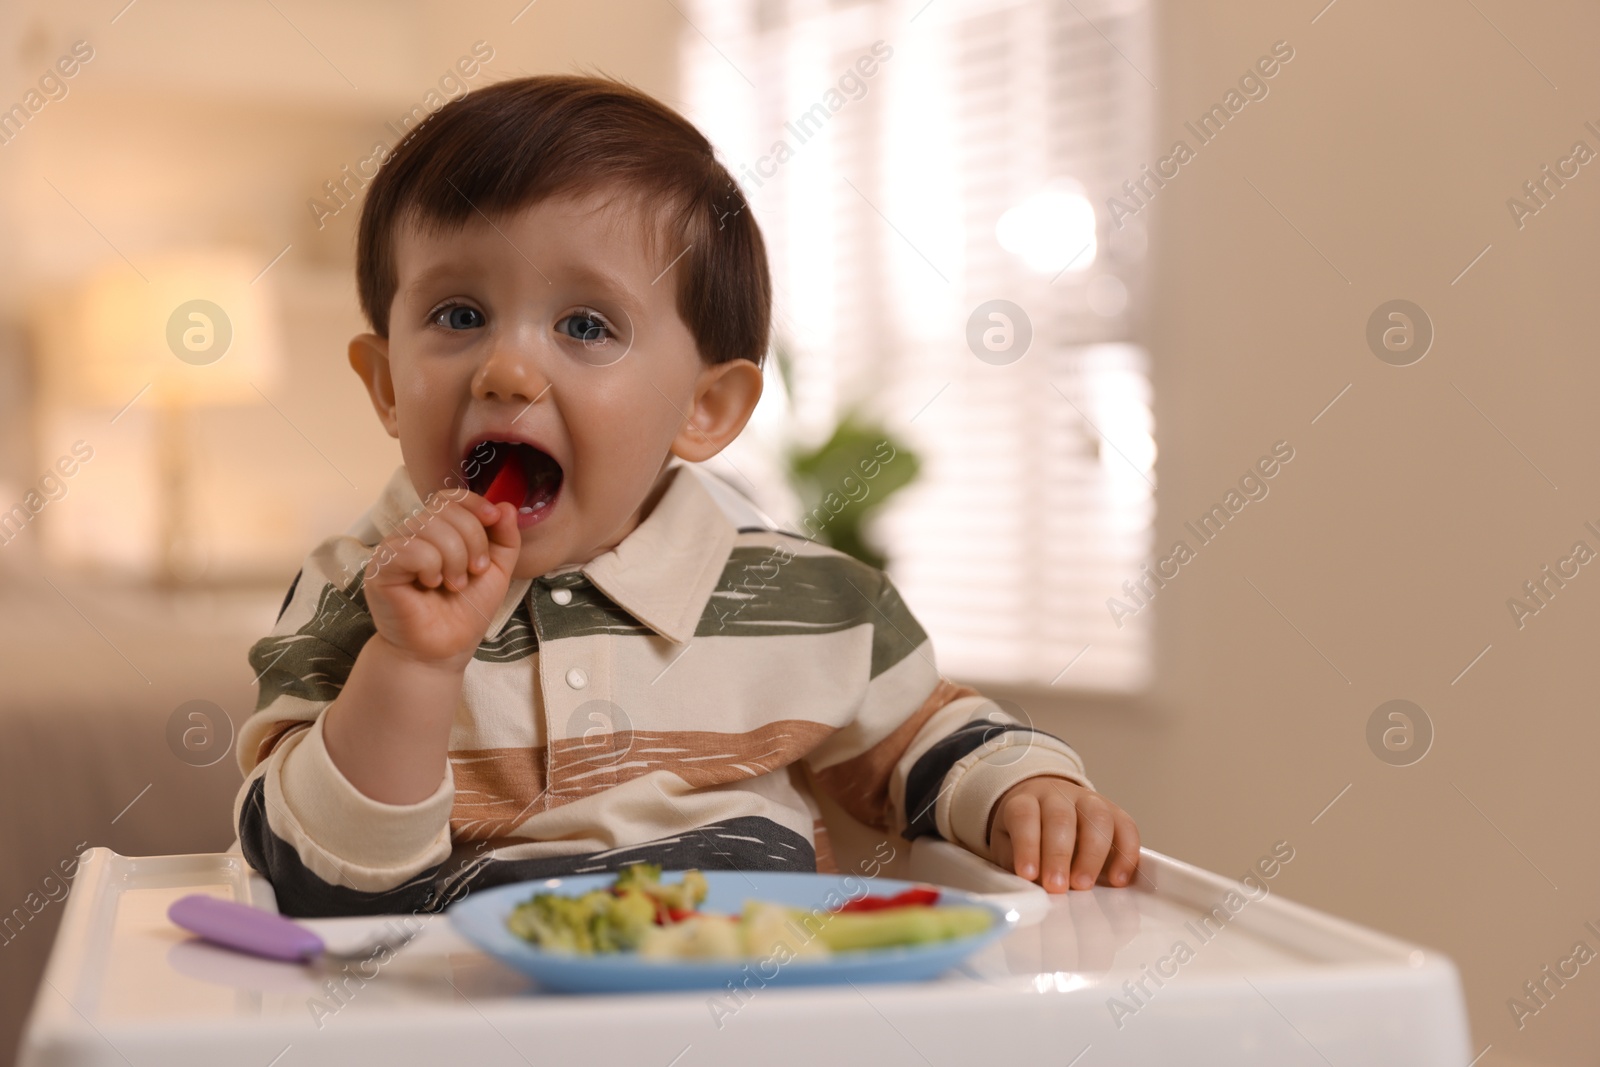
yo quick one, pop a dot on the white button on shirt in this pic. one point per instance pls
(577, 677)
(561, 596)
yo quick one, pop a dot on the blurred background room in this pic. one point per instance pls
(1234, 359)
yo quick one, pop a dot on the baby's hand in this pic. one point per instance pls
(432, 592)
(1073, 826)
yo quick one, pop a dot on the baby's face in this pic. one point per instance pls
(550, 342)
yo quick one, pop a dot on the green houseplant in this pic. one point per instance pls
(844, 482)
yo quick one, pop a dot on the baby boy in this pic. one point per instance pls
(546, 649)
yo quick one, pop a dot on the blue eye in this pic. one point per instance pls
(458, 317)
(586, 326)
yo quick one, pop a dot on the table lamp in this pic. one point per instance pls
(184, 331)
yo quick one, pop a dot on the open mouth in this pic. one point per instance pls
(516, 473)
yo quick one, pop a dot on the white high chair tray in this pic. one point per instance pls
(1088, 979)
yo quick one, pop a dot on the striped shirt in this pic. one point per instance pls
(679, 699)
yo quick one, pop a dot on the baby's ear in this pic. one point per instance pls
(369, 358)
(725, 396)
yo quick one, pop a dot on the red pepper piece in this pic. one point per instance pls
(510, 484)
(666, 914)
(915, 896)
(919, 895)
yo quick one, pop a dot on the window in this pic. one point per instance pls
(911, 162)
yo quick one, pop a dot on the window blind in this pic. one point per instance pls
(910, 162)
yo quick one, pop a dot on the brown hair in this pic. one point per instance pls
(512, 144)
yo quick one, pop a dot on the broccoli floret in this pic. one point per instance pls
(598, 921)
(641, 876)
(685, 895)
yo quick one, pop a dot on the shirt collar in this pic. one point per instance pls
(662, 573)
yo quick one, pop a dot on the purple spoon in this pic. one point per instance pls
(263, 933)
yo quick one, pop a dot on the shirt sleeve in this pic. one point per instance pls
(326, 847)
(924, 754)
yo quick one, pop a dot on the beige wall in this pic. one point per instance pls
(1395, 537)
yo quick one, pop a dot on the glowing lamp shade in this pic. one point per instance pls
(1051, 231)
(198, 329)
(179, 333)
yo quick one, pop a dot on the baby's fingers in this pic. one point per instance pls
(412, 559)
(1019, 819)
(1059, 835)
(474, 539)
(1095, 838)
(1124, 850)
(452, 548)
(505, 540)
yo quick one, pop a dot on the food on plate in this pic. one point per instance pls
(660, 920)
(598, 921)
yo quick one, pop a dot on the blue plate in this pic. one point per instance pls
(481, 919)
